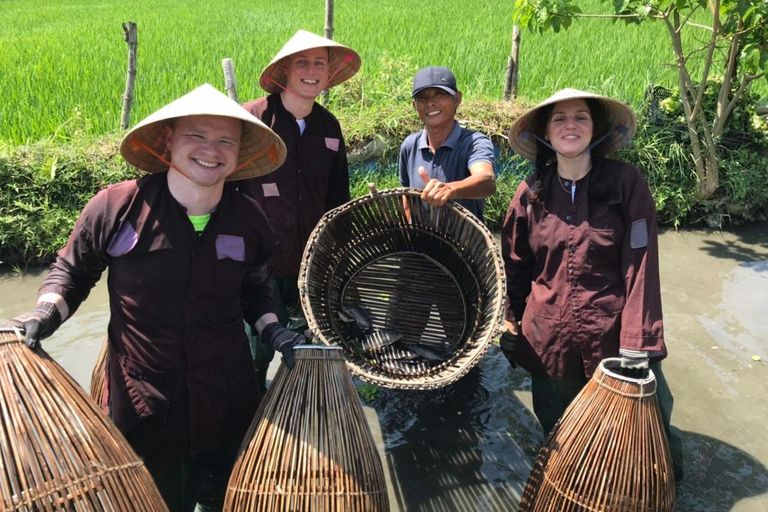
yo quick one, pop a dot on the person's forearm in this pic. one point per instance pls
(57, 299)
(476, 186)
(265, 320)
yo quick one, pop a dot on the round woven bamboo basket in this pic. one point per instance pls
(608, 453)
(58, 452)
(309, 446)
(432, 275)
(99, 374)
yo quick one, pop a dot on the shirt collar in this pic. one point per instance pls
(450, 142)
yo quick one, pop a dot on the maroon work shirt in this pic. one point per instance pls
(583, 276)
(313, 180)
(180, 360)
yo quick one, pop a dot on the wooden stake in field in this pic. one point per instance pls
(608, 453)
(58, 452)
(328, 32)
(131, 36)
(309, 447)
(230, 82)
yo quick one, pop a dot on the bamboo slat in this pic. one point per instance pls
(608, 453)
(58, 452)
(309, 447)
(432, 275)
(99, 374)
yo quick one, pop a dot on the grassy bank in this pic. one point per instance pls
(63, 63)
(44, 186)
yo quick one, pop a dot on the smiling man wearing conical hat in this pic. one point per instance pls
(189, 260)
(315, 175)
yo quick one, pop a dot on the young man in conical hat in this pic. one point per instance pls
(315, 177)
(188, 260)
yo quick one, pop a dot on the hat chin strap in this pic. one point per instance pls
(586, 150)
(270, 152)
(138, 145)
(344, 62)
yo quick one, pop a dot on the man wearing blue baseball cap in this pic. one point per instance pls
(450, 162)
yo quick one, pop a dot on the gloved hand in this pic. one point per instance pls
(634, 363)
(37, 324)
(280, 338)
(507, 343)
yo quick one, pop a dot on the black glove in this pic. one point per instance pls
(280, 338)
(634, 363)
(37, 324)
(507, 343)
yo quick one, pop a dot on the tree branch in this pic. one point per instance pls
(689, 17)
(745, 81)
(730, 70)
(708, 61)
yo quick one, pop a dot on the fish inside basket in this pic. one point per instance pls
(412, 293)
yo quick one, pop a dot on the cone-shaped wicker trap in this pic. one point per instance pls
(309, 447)
(58, 452)
(608, 453)
(433, 276)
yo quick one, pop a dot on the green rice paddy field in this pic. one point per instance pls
(63, 62)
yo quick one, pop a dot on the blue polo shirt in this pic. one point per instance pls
(460, 150)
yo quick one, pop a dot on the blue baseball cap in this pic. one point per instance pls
(434, 76)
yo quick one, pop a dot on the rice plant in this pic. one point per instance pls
(63, 63)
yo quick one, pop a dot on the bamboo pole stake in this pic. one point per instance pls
(230, 82)
(328, 32)
(513, 65)
(131, 36)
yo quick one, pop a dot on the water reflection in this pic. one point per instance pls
(466, 447)
(470, 447)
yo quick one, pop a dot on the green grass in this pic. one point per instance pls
(63, 63)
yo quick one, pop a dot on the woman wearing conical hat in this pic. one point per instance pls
(188, 261)
(315, 175)
(581, 255)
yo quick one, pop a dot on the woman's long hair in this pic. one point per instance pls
(546, 159)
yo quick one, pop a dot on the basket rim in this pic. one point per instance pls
(456, 368)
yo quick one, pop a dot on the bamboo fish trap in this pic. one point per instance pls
(608, 453)
(309, 447)
(432, 276)
(57, 451)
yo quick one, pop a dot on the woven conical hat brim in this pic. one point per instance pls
(619, 116)
(338, 55)
(257, 138)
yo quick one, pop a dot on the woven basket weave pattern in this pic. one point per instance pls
(57, 450)
(309, 446)
(608, 453)
(438, 263)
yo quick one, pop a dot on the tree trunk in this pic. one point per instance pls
(513, 65)
(130, 34)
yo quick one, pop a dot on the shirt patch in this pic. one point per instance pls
(638, 237)
(124, 241)
(270, 190)
(332, 143)
(232, 247)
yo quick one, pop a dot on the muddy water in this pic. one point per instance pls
(469, 447)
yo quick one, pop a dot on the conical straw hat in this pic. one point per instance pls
(621, 120)
(261, 150)
(343, 62)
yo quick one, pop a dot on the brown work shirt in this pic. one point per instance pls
(583, 276)
(180, 360)
(313, 180)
